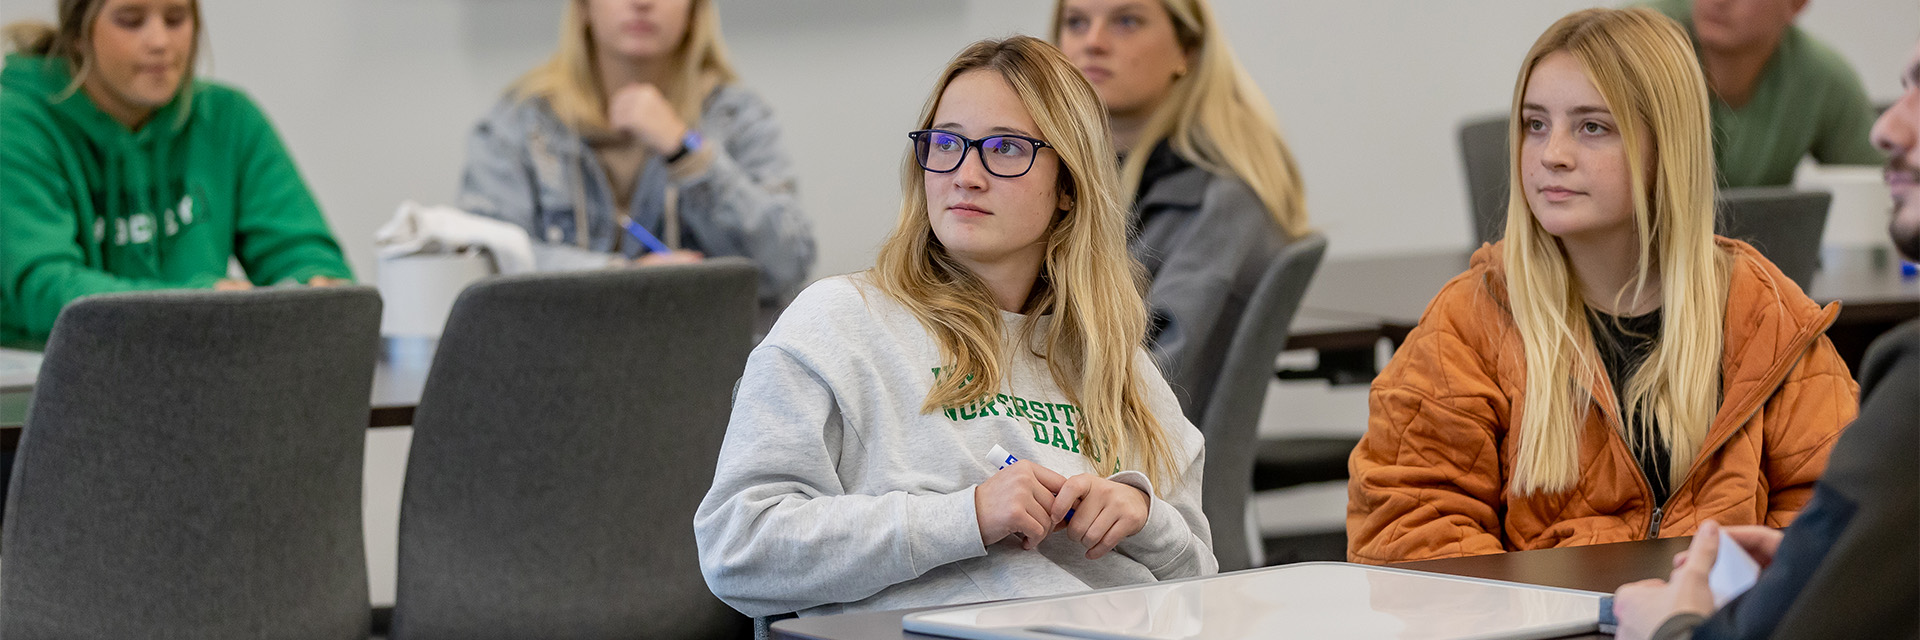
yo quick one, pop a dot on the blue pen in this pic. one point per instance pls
(1000, 461)
(645, 237)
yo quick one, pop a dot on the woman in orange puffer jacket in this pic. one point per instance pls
(1678, 376)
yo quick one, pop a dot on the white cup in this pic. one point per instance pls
(419, 290)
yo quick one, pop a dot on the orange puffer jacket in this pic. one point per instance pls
(1429, 479)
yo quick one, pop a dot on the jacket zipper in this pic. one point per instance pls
(1653, 522)
(1617, 422)
(1659, 512)
(1653, 525)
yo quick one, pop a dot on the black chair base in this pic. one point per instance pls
(1328, 546)
(1288, 462)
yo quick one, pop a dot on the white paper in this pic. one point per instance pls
(1734, 572)
(1000, 457)
(18, 369)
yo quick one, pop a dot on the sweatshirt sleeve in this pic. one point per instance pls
(1177, 540)
(739, 197)
(1426, 476)
(778, 531)
(1815, 403)
(279, 233)
(498, 182)
(42, 265)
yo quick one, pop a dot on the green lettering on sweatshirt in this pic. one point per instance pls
(1045, 418)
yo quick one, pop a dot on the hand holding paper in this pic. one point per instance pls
(1694, 587)
(1734, 572)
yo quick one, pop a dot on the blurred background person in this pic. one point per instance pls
(639, 118)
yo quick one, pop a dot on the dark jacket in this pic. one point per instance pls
(1849, 567)
(1205, 239)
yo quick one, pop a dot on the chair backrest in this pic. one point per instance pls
(567, 432)
(191, 468)
(1483, 150)
(1231, 421)
(1784, 224)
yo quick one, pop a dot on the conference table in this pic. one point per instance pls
(1383, 296)
(1351, 306)
(401, 373)
(1599, 568)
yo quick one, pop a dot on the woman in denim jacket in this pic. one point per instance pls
(638, 118)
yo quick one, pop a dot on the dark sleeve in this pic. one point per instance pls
(1678, 627)
(1809, 541)
(1849, 567)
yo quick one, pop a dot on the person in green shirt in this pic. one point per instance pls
(121, 172)
(1778, 93)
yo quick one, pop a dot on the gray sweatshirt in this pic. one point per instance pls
(835, 493)
(735, 197)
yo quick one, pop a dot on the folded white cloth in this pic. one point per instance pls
(417, 228)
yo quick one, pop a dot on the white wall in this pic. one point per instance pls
(375, 96)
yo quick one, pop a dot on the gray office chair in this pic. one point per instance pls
(1784, 224)
(1483, 151)
(567, 432)
(191, 468)
(1231, 421)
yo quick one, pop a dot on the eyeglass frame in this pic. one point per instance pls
(980, 144)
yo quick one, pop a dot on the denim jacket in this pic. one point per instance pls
(734, 197)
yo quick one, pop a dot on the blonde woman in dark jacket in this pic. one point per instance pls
(1216, 191)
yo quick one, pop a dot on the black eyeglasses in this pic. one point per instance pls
(1005, 155)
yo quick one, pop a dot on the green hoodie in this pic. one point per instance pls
(88, 206)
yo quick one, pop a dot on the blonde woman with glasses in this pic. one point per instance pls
(1216, 194)
(973, 418)
(636, 143)
(1612, 370)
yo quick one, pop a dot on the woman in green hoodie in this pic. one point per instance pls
(121, 172)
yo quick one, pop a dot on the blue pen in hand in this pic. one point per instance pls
(1000, 461)
(646, 238)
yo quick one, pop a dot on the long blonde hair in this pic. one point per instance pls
(65, 40)
(1643, 65)
(570, 80)
(1217, 118)
(1087, 282)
